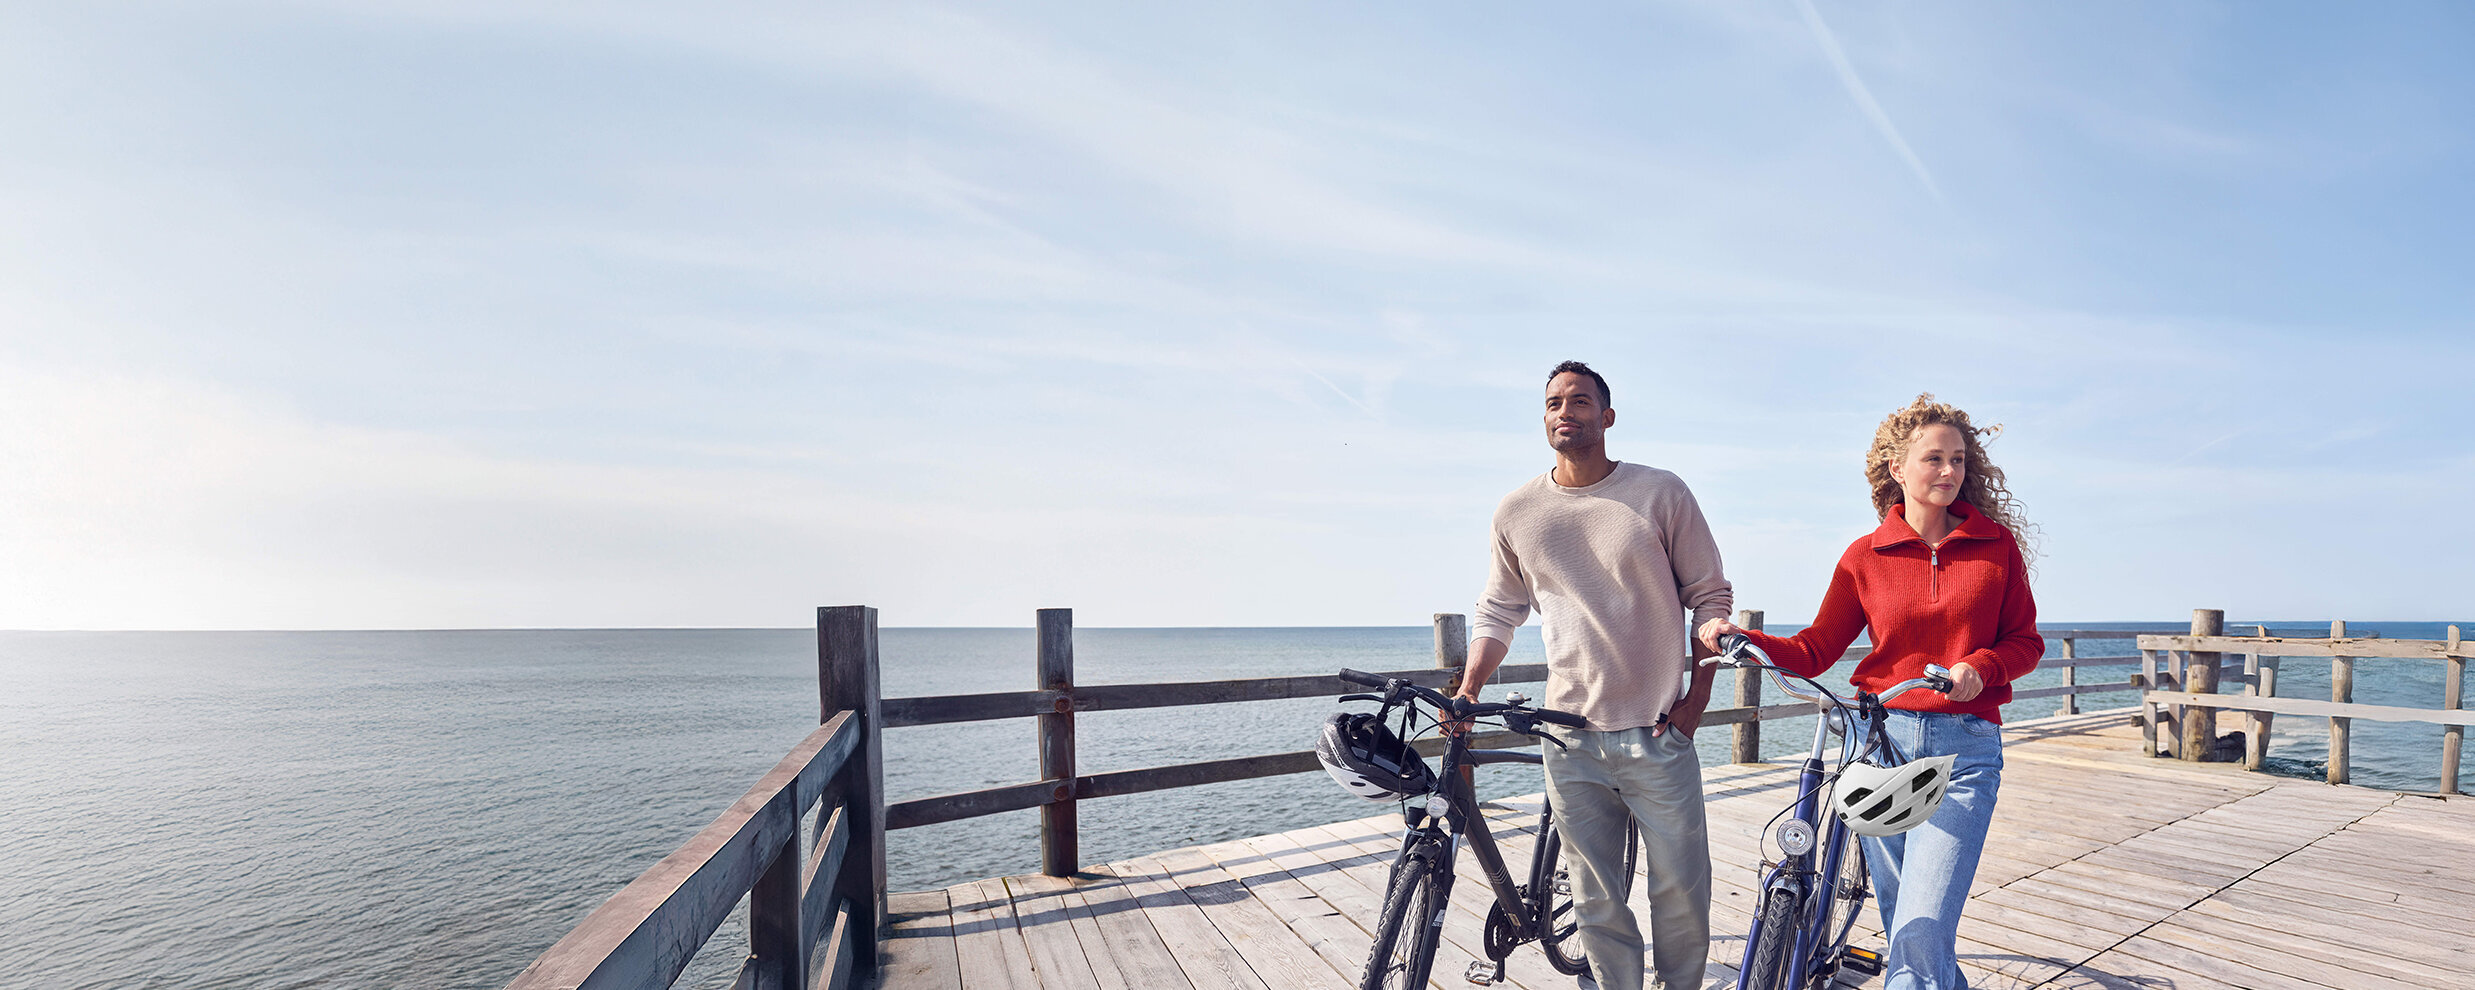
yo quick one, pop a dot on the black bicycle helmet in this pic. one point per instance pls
(1368, 760)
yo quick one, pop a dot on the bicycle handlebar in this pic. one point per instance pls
(1565, 719)
(1733, 645)
(1395, 688)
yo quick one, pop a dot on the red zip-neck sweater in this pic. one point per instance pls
(1965, 601)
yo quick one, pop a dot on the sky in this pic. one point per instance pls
(509, 314)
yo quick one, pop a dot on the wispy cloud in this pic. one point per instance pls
(2195, 451)
(1864, 97)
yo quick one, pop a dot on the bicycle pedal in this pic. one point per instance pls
(1865, 961)
(1483, 973)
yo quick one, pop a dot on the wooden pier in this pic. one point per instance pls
(2105, 868)
(2108, 866)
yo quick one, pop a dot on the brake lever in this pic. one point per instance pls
(1528, 726)
(1362, 697)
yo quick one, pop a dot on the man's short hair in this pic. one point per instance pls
(1578, 368)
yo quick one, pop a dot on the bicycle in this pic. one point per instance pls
(1809, 904)
(1419, 886)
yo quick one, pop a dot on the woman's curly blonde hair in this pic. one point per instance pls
(1983, 487)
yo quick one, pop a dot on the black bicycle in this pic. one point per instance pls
(1420, 884)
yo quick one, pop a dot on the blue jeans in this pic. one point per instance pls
(1923, 874)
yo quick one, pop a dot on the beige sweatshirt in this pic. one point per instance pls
(1611, 569)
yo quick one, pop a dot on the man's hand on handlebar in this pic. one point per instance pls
(1713, 629)
(1458, 726)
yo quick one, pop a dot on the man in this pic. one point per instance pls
(1611, 555)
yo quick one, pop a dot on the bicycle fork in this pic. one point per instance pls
(1796, 877)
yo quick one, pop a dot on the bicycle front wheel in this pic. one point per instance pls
(1406, 933)
(1772, 969)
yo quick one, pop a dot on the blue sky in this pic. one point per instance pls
(399, 314)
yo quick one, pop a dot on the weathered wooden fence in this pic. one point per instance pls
(812, 920)
(816, 902)
(1056, 700)
(2179, 705)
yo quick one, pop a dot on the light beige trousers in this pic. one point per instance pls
(1594, 783)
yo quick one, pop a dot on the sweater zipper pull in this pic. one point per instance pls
(1933, 572)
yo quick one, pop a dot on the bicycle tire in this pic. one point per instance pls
(1769, 969)
(1406, 933)
(1557, 929)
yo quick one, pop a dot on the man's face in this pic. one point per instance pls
(1576, 420)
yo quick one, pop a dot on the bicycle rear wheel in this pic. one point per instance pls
(1771, 968)
(1559, 931)
(1406, 933)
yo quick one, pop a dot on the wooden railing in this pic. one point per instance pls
(812, 920)
(815, 920)
(1058, 700)
(2180, 702)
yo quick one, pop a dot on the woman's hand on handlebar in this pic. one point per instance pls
(1966, 683)
(1713, 629)
(1458, 726)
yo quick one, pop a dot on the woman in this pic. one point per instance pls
(1943, 581)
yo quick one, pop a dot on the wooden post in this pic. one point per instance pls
(846, 675)
(2259, 680)
(1452, 643)
(1452, 652)
(2172, 679)
(1748, 741)
(2200, 677)
(2148, 709)
(2342, 691)
(2453, 697)
(780, 963)
(1060, 845)
(2071, 677)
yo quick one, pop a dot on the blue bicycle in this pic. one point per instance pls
(1811, 895)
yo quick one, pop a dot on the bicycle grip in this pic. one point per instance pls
(1565, 719)
(1362, 677)
(1731, 642)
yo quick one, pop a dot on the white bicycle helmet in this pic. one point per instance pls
(1368, 760)
(1879, 801)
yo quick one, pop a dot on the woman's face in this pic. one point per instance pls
(1936, 462)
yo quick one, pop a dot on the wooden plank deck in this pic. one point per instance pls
(2105, 869)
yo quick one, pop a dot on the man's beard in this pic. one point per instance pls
(1582, 438)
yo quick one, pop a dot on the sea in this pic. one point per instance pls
(434, 808)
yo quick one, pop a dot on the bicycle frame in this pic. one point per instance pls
(1799, 872)
(1462, 818)
(1815, 951)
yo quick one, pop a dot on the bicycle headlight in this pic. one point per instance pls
(1795, 837)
